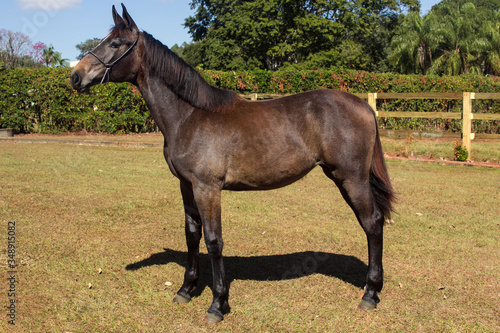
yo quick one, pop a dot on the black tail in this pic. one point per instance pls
(379, 181)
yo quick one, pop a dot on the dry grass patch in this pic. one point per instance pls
(296, 257)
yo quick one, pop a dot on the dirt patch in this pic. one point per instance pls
(424, 159)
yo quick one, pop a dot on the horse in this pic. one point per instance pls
(215, 140)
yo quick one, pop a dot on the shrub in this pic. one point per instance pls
(461, 154)
(42, 101)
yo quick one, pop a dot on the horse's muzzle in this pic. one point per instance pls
(76, 82)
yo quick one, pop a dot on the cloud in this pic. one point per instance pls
(47, 4)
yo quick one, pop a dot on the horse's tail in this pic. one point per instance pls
(379, 181)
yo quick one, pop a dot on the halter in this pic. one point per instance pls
(109, 66)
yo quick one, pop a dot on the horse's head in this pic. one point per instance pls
(115, 59)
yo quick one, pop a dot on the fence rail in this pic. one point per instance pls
(466, 115)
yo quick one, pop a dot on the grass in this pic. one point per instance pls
(482, 150)
(296, 257)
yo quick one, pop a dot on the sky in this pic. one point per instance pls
(66, 23)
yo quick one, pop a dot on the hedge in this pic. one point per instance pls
(42, 101)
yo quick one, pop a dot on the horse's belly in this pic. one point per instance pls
(266, 175)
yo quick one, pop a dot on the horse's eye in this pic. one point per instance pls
(114, 45)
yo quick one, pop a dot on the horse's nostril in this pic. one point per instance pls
(75, 80)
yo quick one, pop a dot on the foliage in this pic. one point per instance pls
(415, 43)
(17, 50)
(453, 39)
(461, 154)
(269, 34)
(87, 46)
(51, 58)
(459, 54)
(490, 45)
(488, 7)
(41, 101)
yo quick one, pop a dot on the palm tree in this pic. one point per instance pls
(48, 56)
(62, 62)
(490, 46)
(459, 49)
(413, 45)
(53, 58)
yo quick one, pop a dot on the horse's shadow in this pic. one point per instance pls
(268, 268)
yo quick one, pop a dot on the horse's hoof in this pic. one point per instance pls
(367, 305)
(212, 318)
(181, 299)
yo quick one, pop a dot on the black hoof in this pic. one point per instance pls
(182, 299)
(367, 305)
(212, 318)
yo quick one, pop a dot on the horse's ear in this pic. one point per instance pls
(116, 17)
(128, 20)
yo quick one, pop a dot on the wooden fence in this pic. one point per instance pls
(466, 115)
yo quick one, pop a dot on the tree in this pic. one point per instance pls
(87, 46)
(487, 9)
(37, 53)
(454, 38)
(179, 50)
(53, 58)
(192, 54)
(17, 50)
(414, 43)
(458, 50)
(490, 46)
(237, 34)
(371, 26)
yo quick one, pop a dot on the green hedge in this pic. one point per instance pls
(41, 100)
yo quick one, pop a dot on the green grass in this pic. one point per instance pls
(296, 257)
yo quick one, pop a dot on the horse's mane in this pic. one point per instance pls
(182, 79)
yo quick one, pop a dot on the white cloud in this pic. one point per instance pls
(47, 4)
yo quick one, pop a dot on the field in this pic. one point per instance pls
(100, 248)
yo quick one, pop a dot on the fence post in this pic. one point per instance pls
(254, 97)
(467, 134)
(372, 101)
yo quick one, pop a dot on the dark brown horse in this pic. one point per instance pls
(215, 140)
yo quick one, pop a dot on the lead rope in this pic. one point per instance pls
(108, 68)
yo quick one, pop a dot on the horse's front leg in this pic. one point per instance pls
(208, 200)
(193, 236)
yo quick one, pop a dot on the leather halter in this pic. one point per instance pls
(109, 66)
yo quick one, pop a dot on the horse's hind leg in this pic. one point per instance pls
(356, 190)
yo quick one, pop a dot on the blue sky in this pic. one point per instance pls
(65, 23)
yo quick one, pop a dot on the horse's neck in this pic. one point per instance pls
(164, 106)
